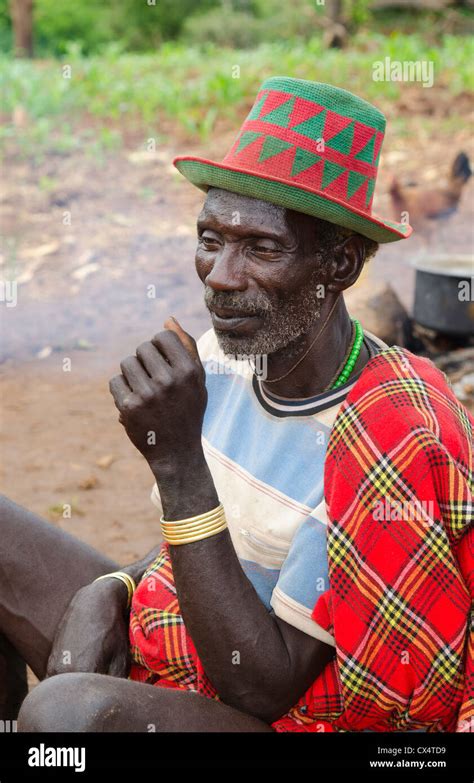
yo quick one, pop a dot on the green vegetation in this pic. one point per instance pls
(143, 25)
(161, 67)
(186, 88)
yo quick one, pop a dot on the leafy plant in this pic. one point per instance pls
(189, 88)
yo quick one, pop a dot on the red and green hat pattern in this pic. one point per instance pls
(309, 147)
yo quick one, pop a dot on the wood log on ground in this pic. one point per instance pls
(379, 310)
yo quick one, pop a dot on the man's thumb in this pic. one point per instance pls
(189, 343)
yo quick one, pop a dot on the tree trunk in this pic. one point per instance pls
(335, 11)
(22, 23)
(335, 36)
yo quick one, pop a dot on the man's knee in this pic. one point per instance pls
(68, 702)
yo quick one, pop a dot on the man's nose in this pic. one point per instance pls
(228, 271)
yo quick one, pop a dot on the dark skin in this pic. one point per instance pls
(162, 390)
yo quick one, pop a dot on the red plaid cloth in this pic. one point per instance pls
(398, 487)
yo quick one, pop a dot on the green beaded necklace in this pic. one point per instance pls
(354, 352)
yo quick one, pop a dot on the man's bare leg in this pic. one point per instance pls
(41, 568)
(97, 702)
(13, 675)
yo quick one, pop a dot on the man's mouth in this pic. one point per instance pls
(227, 320)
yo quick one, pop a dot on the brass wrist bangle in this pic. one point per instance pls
(127, 580)
(185, 531)
(200, 537)
(179, 527)
(202, 529)
(198, 518)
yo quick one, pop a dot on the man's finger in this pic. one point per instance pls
(135, 375)
(153, 361)
(119, 390)
(189, 342)
(172, 351)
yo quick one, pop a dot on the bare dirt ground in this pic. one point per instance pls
(88, 238)
(84, 298)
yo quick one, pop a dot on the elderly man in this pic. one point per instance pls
(313, 485)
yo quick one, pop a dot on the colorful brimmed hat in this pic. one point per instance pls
(309, 147)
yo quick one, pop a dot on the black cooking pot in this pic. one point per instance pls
(444, 294)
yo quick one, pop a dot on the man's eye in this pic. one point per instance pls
(208, 241)
(263, 249)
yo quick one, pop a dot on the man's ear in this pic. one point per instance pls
(347, 263)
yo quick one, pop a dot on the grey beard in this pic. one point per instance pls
(284, 322)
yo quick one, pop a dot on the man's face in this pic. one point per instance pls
(262, 274)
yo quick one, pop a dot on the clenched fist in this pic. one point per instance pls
(161, 396)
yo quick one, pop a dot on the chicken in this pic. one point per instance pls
(435, 203)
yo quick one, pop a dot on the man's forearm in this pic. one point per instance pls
(242, 646)
(237, 640)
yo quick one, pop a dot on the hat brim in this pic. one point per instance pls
(206, 174)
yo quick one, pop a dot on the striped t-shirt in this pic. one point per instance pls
(266, 456)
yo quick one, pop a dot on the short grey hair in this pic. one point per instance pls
(330, 235)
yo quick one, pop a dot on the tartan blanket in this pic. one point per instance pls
(398, 488)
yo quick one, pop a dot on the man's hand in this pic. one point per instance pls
(93, 634)
(161, 396)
